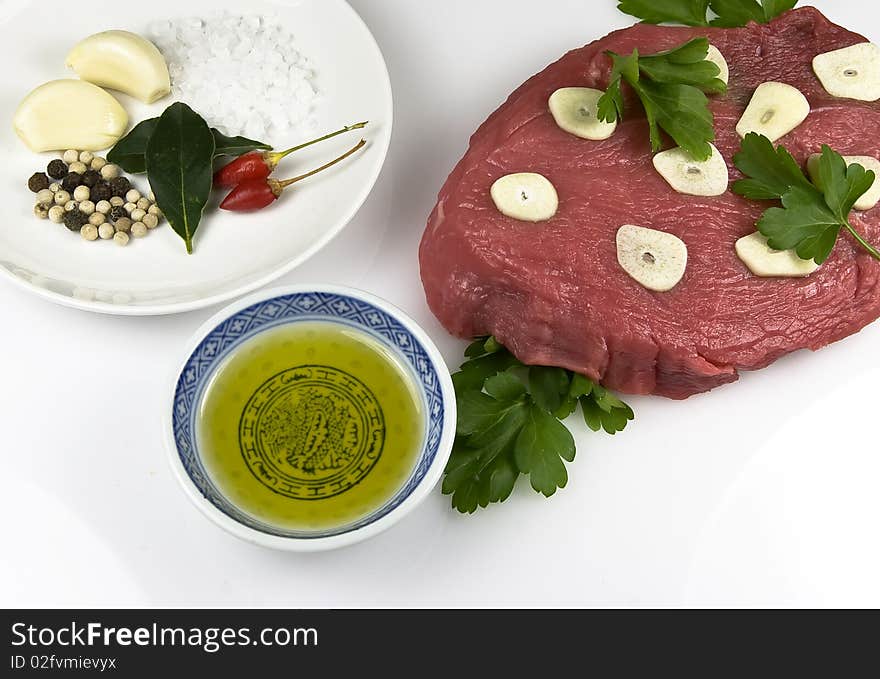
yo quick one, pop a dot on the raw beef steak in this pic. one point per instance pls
(554, 293)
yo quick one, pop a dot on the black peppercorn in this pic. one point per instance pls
(101, 191)
(38, 182)
(57, 169)
(117, 213)
(75, 219)
(90, 178)
(71, 181)
(120, 186)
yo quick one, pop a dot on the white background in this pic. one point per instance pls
(761, 493)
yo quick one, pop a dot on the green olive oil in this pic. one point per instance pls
(310, 426)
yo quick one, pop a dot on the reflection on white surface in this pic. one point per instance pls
(795, 528)
(56, 571)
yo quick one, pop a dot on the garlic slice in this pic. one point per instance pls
(774, 111)
(871, 197)
(764, 261)
(654, 259)
(526, 196)
(718, 59)
(693, 177)
(852, 72)
(576, 110)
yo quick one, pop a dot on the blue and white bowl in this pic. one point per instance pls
(225, 332)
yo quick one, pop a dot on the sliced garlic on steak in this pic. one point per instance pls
(766, 262)
(718, 59)
(693, 177)
(576, 110)
(655, 259)
(852, 72)
(871, 197)
(774, 111)
(526, 196)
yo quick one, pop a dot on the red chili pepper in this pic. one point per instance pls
(255, 194)
(260, 164)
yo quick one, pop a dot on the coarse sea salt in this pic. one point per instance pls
(242, 73)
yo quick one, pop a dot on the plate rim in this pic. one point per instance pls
(110, 309)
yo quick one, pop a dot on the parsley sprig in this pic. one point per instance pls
(729, 13)
(509, 423)
(812, 214)
(672, 87)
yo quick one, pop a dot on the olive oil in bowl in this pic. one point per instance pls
(310, 426)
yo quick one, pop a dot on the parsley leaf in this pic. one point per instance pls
(736, 13)
(812, 214)
(509, 423)
(731, 13)
(687, 12)
(671, 86)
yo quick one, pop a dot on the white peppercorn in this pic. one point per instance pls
(96, 218)
(123, 225)
(77, 167)
(70, 156)
(133, 196)
(86, 157)
(152, 221)
(154, 210)
(130, 207)
(97, 163)
(103, 206)
(56, 214)
(152, 197)
(89, 232)
(54, 187)
(121, 238)
(44, 196)
(82, 193)
(139, 229)
(41, 210)
(143, 204)
(87, 207)
(117, 201)
(70, 205)
(110, 171)
(137, 214)
(106, 231)
(61, 198)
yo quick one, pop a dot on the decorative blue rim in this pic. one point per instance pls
(305, 306)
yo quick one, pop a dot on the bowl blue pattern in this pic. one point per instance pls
(307, 306)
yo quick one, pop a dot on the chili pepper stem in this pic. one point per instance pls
(273, 158)
(279, 186)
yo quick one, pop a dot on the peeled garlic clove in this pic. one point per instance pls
(718, 59)
(576, 110)
(852, 72)
(69, 114)
(655, 259)
(122, 61)
(526, 196)
(764, 261)
(775, 110)
(871, 197)
(693, 177)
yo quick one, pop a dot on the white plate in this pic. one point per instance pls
(234, 253)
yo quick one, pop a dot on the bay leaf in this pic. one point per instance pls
(235, 146)
(130, 151)
(179, 161)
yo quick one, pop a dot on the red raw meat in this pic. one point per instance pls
(553, 292)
